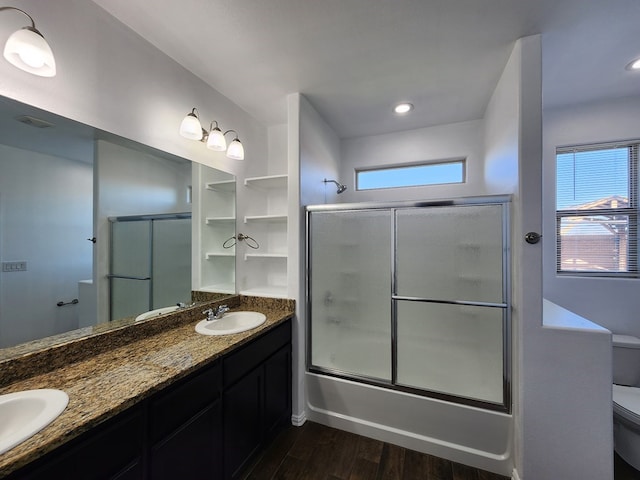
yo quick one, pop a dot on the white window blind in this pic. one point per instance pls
(597, 209)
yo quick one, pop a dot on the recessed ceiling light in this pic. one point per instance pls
(634, 65)
(402, 108)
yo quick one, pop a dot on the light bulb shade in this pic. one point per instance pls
(29, 51)
(216, 140)
(190, 127)
(235, 150)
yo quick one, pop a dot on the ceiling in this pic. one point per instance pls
(353, 59)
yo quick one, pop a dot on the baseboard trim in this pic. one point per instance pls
(299, 420)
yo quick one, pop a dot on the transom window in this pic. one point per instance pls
(597, 209)
(414, 175)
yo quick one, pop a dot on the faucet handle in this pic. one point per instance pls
(209, 313)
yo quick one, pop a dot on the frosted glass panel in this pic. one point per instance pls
(351, 292)
(453, 349)
(129, 297)
(130, 248)
(450, 253)
(171, 262)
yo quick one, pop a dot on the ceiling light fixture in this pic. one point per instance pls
(634, 65)
(402, 108)
(27, 49)
(214, 138)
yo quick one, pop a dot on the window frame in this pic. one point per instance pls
(430, 163)
(631, 211)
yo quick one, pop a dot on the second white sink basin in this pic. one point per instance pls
(231, 322)
(23, 414)
(156, 312)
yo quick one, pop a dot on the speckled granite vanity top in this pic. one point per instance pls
(107, 372)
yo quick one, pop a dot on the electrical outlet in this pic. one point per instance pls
(14, 266)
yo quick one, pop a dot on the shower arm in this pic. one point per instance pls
(341, 187)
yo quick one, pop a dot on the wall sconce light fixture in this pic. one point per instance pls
(28, 50)
(214, 138)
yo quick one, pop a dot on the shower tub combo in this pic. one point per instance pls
(409, 325)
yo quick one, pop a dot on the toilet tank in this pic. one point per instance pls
(626, 360)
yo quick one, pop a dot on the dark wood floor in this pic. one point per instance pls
(314, 451)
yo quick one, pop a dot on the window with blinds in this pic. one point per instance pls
(597, 209)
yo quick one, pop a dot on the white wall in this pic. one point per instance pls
(110, 78)
(458, 140)
(314, 154)
(501, 170)
(612, 303)
(45, 219)
(564, 380)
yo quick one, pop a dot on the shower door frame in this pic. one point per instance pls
(505, 201)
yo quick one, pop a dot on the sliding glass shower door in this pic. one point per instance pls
(413, 297)
(351, 300)
(450, 300)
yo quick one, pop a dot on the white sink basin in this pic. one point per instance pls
(231, 322)
(156, 312)
(23, 414)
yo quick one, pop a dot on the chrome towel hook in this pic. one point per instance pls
(231, 241)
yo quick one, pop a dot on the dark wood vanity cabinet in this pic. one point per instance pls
(208, 425)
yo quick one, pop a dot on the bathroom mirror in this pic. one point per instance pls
(95, 227)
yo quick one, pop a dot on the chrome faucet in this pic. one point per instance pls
(216, 313)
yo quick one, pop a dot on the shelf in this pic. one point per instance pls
(222, 186)
(267, 182)
(265, 218)
(219, 288)
(266, 291)
(210, 220)
(210, 255)
(247, 256)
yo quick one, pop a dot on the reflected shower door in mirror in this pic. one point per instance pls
(150, 263)
(60, 182)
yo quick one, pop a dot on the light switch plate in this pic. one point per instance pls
(14, 266)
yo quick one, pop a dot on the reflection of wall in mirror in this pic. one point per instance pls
(45, 218)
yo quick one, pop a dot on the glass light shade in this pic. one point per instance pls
(190, 127)
(29, 51)
(235, 150)
(216, 140)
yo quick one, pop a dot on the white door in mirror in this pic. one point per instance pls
(23, 414)
(231, 322)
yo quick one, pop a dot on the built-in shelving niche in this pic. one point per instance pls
(266, 221)
(215, 266)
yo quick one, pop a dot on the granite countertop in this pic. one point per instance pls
(103, 384)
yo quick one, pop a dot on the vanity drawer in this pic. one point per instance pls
(245, 359)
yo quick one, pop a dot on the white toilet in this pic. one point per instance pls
(626, 398)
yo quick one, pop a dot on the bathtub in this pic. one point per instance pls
(460, 433)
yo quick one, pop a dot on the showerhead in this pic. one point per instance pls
(341, 187)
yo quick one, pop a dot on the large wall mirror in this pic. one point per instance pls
(96, 228)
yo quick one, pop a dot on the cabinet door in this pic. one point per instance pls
(242, 422)
(277, 391)
(112, 451)
(192, 452)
